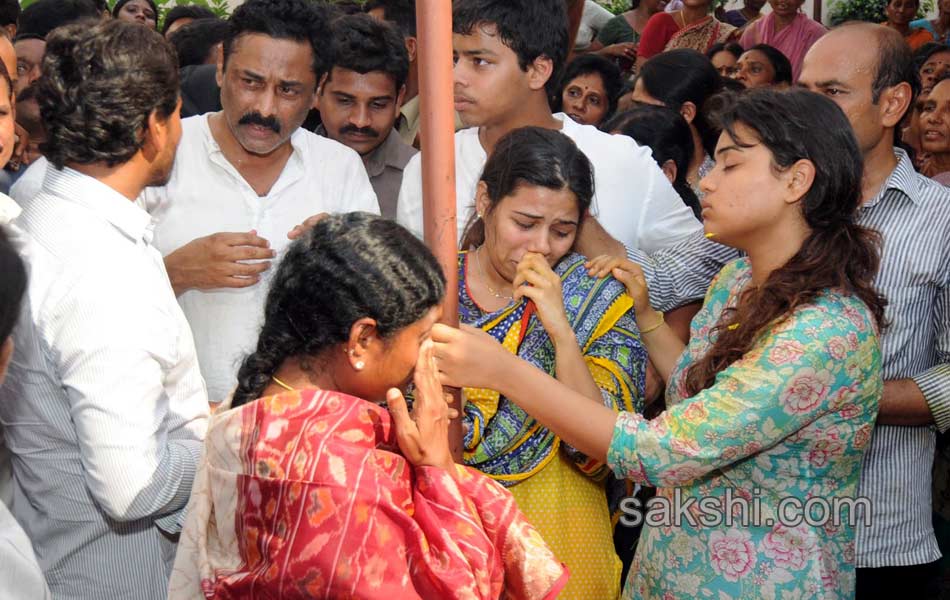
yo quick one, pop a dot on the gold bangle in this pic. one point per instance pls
(655, 327)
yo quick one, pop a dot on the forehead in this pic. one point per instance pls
(483, 36)
(753, 56)
(589, 80)
(30, 49)
(141, 4)
(560, 204)
(844, 56)
(374, 83)
(942, 57)
(287, 60)
(940, 92)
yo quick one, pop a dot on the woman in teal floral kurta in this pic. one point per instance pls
(776, 394)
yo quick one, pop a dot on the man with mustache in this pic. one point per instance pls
(249, 177)
(359, 100)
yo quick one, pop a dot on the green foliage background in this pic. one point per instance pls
(220, 7)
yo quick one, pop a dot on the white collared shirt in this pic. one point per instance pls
(104, 409)
(207, 195)
(633, 200)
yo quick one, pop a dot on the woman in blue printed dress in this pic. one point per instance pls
(772, 402)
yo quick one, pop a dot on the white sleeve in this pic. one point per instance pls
(358, 194)
(112, 351)
(666, 220)
(409, 205)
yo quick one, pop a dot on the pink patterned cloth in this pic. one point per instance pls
(305, 495)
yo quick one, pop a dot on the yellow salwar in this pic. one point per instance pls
(560, 494)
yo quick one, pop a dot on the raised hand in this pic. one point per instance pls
(467, 356)
(631, 276)
(536, 281)
(299, 230)
(423, 436)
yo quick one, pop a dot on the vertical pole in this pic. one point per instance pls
(437, 131)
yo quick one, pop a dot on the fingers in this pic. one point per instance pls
(601, 266)
(249, 253)
(250, 270)
(407, 432)
(249, 238)
(241, 282)
(299, 230)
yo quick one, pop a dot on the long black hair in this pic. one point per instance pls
(347, 267)
(838, 253)
(533, 156)
(667, 134)
(679, 76)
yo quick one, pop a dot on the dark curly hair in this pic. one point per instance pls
(363, 44)
(13, 288)
(40, 18)
(401, 13)
(531, 28)
(189, 11)
(347, 267)
(297, 20)
(838, 253)
(100, 83)
(532, 156)
(585, 64)
(194, 42)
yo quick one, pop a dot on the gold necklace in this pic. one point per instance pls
(491, 290)
(282, 384)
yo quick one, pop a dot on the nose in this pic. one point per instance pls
(577, 105)
(540, 242)
(267, 104)
(360, 116)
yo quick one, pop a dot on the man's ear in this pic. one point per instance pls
(158, 132)
(400, 97)
(412, 47)
(688, 111)
(540, 72)
(894, 103)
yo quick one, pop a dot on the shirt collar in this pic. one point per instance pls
(92, 194)
(410, 111)
(903, 179)
(385, 155)
(296, 159)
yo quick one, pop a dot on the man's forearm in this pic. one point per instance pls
(904, 404)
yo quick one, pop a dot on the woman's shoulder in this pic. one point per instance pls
(662, 19)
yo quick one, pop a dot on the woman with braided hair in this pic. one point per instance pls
(318, 483)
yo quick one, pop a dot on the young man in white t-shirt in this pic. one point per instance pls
(249, 177)
(509, 54)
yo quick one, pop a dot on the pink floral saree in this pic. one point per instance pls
(305, 495)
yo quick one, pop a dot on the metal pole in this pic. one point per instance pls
(437, 133)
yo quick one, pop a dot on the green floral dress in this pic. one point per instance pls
(783, 430)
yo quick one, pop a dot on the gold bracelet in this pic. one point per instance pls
(655, 327)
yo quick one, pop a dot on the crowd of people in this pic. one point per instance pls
(703, 287)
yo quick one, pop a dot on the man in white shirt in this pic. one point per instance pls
(509, 56)
(104, 409)
(249, 177)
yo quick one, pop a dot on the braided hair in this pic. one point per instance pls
(347, 267)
